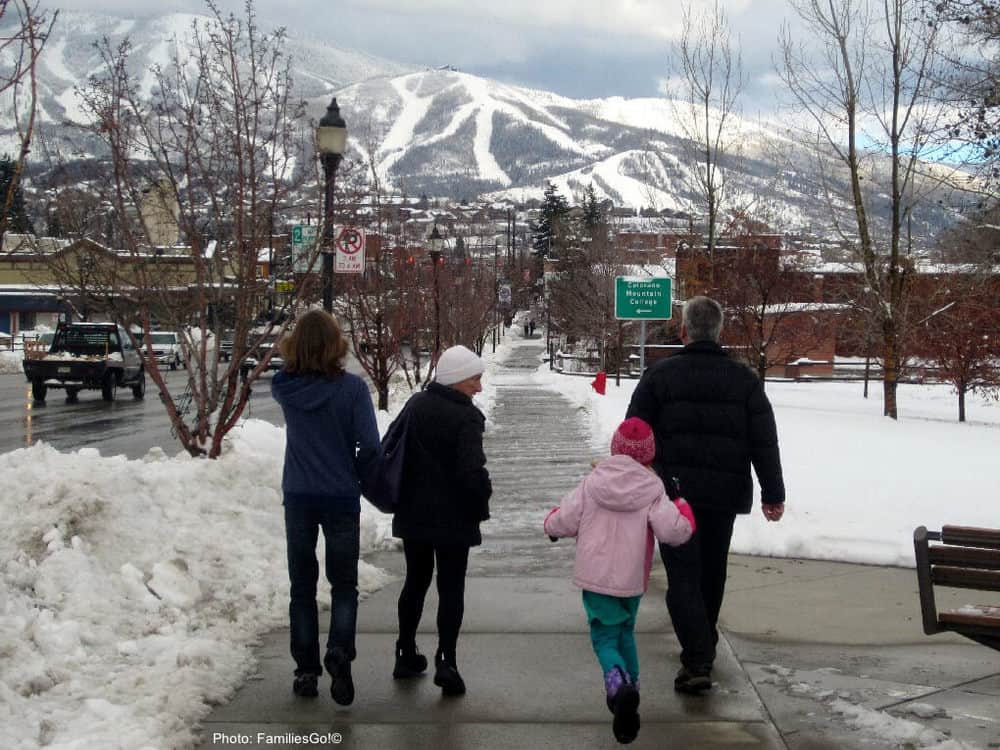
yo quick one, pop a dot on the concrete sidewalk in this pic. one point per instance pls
(813, 655)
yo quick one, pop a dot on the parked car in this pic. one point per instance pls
(226, 346)
(96, 356)
(167, 349)
(257, 353)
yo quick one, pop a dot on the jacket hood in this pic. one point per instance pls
(306, 393)
(620, 483)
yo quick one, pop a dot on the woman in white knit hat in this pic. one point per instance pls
(444, 496)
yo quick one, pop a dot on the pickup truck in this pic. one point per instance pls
(86, 356)
(255, 354)
(167, 349)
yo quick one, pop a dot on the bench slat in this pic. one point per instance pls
(971, 536)
(966, 578)
(964, 557)
(989, 618)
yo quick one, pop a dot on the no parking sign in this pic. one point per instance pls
(350, 251)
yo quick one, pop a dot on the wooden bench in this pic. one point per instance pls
(961, 557)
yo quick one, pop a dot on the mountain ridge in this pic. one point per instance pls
(446, 133)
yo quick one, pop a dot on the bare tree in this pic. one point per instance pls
(970, 85)
(962, 337)
(30, 27)
(758, 285)
(707, 79)
(371, 302)
(866, 76)
(582, 293)
(207, 157)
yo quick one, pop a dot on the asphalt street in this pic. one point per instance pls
(122, 427)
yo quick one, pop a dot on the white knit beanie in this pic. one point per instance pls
(456, 364)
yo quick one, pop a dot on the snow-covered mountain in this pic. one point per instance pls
(70, 58)
(446, 133)
(443, 132)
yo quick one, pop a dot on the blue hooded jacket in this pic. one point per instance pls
(331, 438)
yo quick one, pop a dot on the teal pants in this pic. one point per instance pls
(612, 630)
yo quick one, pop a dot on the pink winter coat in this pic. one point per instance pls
(614, 514)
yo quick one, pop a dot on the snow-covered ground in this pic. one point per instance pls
(132, 592)
(857, 484)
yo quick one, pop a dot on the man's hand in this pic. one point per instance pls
(773, 512)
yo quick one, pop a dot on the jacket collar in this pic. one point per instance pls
(705, 347)
(449, 393)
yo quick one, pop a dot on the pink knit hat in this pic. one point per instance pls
(634, 438)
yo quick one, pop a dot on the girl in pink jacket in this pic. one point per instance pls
(615, 513)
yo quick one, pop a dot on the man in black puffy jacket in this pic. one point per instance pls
(444, 496)
(711, 420)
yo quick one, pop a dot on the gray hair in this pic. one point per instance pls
(702, 318)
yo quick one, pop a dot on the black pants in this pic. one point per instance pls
(452, 562)
(696, 583)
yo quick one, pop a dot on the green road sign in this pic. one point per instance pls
(642, 298)
(303, 244)
(303, 234)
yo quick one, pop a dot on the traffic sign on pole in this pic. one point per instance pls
(350, 251)
(303, 245)
(642, 298)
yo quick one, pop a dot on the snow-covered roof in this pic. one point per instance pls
(664, 270)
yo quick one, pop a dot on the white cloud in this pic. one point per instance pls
(647, 18)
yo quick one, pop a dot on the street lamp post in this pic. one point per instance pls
(435, 240)
(331, 140)
(496, 293)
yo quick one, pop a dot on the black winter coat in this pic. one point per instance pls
(711, 420)
(446, 488)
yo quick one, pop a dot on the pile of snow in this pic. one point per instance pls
(131, 592)
(10, 362)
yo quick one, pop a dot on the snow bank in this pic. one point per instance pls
(132, 591)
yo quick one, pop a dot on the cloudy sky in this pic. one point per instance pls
(578, 48)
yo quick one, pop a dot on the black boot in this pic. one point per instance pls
(409, 662)
(304, 685)
(446, 676)
(338, 664)
(624, 706)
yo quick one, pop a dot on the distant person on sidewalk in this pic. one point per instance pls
(614, 513)
(531, 327)
(331, 441)
(444, 497)
(712, 421)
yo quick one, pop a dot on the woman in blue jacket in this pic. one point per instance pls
(331, 441)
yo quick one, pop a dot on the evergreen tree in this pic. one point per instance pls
(54, 227)
(16, 219)
(546, 232)
(593, 216)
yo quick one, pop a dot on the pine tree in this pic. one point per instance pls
(593, 216)
(17, 219)
(546, 232)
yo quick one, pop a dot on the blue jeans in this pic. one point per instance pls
(341, 533)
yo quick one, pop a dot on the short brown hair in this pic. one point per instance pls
(316, 346)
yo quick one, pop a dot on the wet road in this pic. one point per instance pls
(123, 426)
